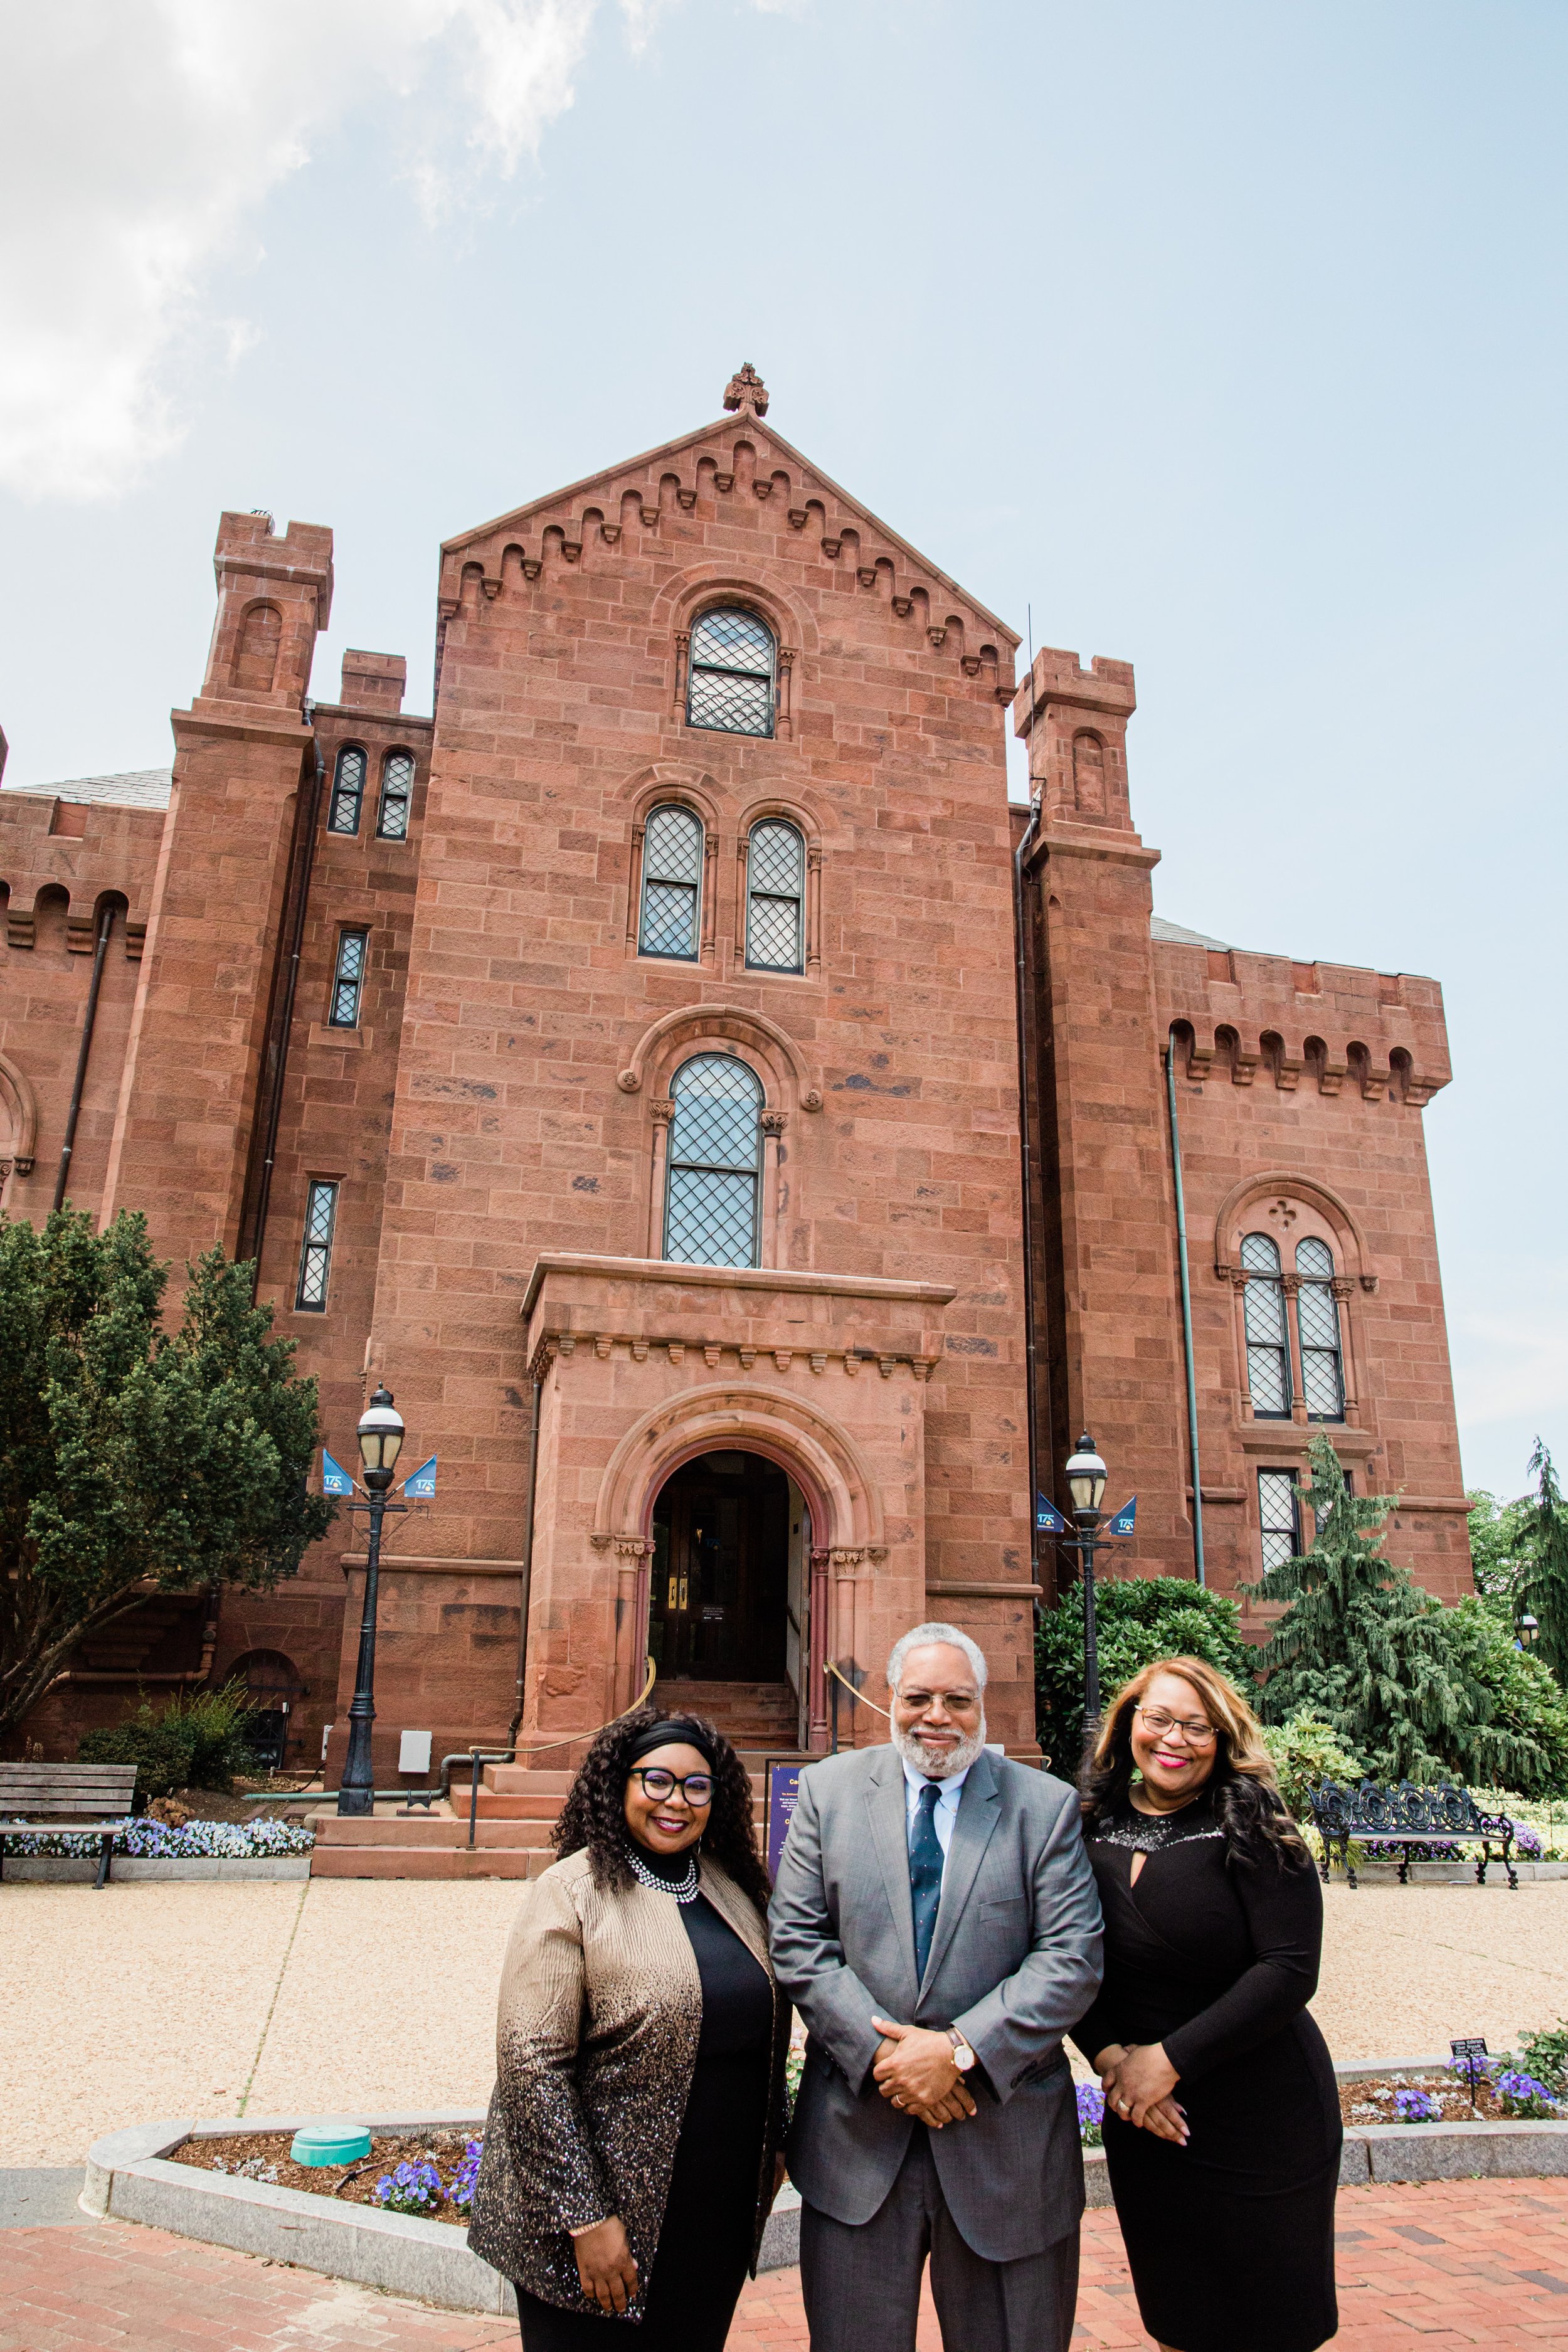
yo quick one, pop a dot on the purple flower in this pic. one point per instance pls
(462, 2189)
(1520, 2095)
(1417, 2108)
(412, 2189)
(1090, 2114)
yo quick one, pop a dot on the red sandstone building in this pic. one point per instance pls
(623, 1064)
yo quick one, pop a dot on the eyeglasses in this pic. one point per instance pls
(1197, 1730)
(657, 1783)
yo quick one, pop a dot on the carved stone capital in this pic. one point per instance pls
(1342, 1285)
(660, 1109)
(774, 1122)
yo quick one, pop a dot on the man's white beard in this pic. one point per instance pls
(936, 1763)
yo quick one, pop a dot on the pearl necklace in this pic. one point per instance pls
(683, 1889)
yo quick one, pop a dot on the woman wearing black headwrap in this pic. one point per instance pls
(631, 2154)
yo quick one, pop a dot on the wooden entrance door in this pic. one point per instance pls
(717, 1591)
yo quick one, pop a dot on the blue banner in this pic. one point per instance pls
(335, 1479)
(1048, 1520)
(1121, 1521)
(783, 1786)
(421, 1483)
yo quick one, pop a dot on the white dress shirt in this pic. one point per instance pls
(946, 1804)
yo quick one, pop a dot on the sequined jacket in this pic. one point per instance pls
(601, 2006)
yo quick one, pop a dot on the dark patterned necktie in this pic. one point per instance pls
(925, 1874)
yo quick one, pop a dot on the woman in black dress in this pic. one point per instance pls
(1222, 2119)
(631, 2155)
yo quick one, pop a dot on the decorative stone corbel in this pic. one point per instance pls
(903, 606)
(830, 547)
(798, 518)
(532, 565)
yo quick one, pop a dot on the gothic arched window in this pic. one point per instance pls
(1267, 1339)
(397, 793)
(715, 1158)
(348, 791)
(775, 897)
(1318, 1326)
(731, 681)
(671, 885)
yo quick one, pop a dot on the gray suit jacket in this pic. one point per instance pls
(1015, 1962)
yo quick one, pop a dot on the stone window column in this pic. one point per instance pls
(769, 1231)
(661, 1110)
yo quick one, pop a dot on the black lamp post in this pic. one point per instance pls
(1086, 1476)
(1528, 1627)
(380, 1442)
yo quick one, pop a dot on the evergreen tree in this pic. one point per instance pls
(132, 1456)
(1364, 1649)
(1543, 1587)
(1137, 1619)
(1500, 1544)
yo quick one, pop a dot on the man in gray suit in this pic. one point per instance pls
(935, 1922)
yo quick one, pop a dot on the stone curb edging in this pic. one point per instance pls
(58, 1869)
(130, 2179)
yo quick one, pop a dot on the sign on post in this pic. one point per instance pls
(1048, 1520)
(421, 1483)
(783, 1787)
(335, 1479)
(1124, 1521)
(1470, 2056)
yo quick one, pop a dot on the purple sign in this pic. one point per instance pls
(783, 1786)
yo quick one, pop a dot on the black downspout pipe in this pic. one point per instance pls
(250, 1243)
(1027, 1172)
(105, 925)
(526, 1580)
(1186, 1312)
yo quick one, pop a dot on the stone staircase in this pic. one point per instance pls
(517, 1805)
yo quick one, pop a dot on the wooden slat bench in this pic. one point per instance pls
(88, 1800)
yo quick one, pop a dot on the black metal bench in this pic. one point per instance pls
(78, 1798)
(1414, 1820)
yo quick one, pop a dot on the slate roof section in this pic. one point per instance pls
(145, 788)
(1159, 928)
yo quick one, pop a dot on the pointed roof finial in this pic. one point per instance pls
(747, 390)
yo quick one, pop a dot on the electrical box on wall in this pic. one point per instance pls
(414, 1752)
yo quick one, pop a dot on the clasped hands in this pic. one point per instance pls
(1138, 2079)
(918, 2070)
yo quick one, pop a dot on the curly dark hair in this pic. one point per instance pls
(594, 1816)
(1252, 1813)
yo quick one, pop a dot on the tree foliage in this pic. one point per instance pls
(1137, 1619)
(198, 1739)
(1543, 1589)
(134, 1459)
(1499, 1544)
(1306, 1750)
(1363, 1648)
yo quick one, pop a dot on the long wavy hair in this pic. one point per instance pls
(594, 1816)
(1245, 1791)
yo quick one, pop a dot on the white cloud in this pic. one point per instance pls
(138, 140)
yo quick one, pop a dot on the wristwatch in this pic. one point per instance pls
(963, 2055)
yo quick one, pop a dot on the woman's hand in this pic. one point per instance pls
(1167, 2120)
(605, 2264)
(1137, 2079)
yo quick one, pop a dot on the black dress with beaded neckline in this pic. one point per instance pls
(1230, 2238)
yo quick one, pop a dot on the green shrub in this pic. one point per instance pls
(198, 1740)
(1306, 1750)
(1544, 2054)
(1137, 1619)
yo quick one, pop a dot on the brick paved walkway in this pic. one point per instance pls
(1459, 2264)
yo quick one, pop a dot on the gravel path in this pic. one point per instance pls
(152, 2001)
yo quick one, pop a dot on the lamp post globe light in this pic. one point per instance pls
(1085, 1478)
(1528, 1627)
(380, 1442)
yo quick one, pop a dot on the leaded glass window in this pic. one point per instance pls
(316, 1252)
(1268, 1340)
(397, 793)
(730, 680)
(671, 885)
(1280, 1516)
(348, 791)
(348, 978)
(711, 1202)
(775, 897)
(1317, 1322)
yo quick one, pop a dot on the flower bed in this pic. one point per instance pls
(431, 2176)
(1504, 2092)
(149, 1841)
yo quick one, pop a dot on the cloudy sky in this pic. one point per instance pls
(1226, 338)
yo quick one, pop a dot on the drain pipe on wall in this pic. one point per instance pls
(297, 887)
(526, 1580)
(1021, 984)
(89, 1019)
(1186, 1311)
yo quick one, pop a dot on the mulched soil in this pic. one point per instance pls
(269, 2153)
(1373, 2102)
